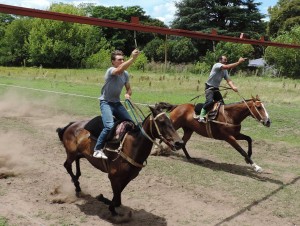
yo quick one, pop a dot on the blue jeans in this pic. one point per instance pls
(108, 110)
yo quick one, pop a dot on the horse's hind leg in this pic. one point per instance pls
(68, 165)
(78, 172)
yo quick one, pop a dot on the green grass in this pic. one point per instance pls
(3, 221)
(281, 96)
(275, 148)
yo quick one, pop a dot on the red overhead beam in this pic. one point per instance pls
(134, 25)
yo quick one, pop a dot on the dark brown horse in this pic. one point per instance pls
(125, 164)
(226, 126)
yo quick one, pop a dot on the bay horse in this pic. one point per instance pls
(226, 126)
(123, 165)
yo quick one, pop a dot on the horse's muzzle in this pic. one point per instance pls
(267, 122)
(179, 144)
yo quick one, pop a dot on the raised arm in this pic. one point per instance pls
(122, 67)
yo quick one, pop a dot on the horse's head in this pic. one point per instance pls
(161, 128)
(259, 112)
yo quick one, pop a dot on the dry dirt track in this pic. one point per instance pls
(36, 190)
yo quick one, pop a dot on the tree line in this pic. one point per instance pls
(26, 41)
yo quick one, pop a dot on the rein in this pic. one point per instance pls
(243, 99)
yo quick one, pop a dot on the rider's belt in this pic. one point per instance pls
(208, 87)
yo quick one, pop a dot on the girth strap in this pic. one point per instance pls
(208, 129)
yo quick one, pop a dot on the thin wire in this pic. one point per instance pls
(62, 93)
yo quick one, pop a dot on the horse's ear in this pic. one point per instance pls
(253, 98)
(153, 110)
(257, 97)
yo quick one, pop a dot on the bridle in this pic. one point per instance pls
(253, 115)
(251, 112)
(160, 136)
(152, 121)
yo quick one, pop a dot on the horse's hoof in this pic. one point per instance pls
(257, 168)
(113, 211)
(100, 198)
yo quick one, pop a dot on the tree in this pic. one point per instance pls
(62, 44)
(285, 60)
(231, 17)
(5, 19)
(283, 16)
(182, 50)
(151, 50)
(13, 48)
(228, 17)
(120, 38)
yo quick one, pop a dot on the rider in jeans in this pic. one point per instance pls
(116, 77)
(218, 72)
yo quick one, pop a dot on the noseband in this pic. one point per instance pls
(158, 130)
(152, 139)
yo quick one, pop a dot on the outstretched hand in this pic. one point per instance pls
(127, 96)
(241, 60)
(135, 53)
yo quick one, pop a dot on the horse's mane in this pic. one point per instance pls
(165, 106)
(61, 131)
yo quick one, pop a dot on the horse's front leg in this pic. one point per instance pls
(232, 141)
(249, 140)
(187, 133)
(118, 184)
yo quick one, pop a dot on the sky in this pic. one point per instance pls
(163, 10)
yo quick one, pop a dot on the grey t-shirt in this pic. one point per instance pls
(113, 85)
(216, 75)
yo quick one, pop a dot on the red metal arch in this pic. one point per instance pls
(134, 25)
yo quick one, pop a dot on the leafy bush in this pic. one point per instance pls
(140, 62)
(285, 60)
(101, 59)
(202, 68)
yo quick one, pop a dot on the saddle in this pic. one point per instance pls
(212, 113)
(116, 134)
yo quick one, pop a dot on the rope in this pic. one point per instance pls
(224, 88)
(134, 36)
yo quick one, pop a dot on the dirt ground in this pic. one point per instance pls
(35, 189)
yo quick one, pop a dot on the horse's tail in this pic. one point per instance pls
(60, 131)
(165, 106)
